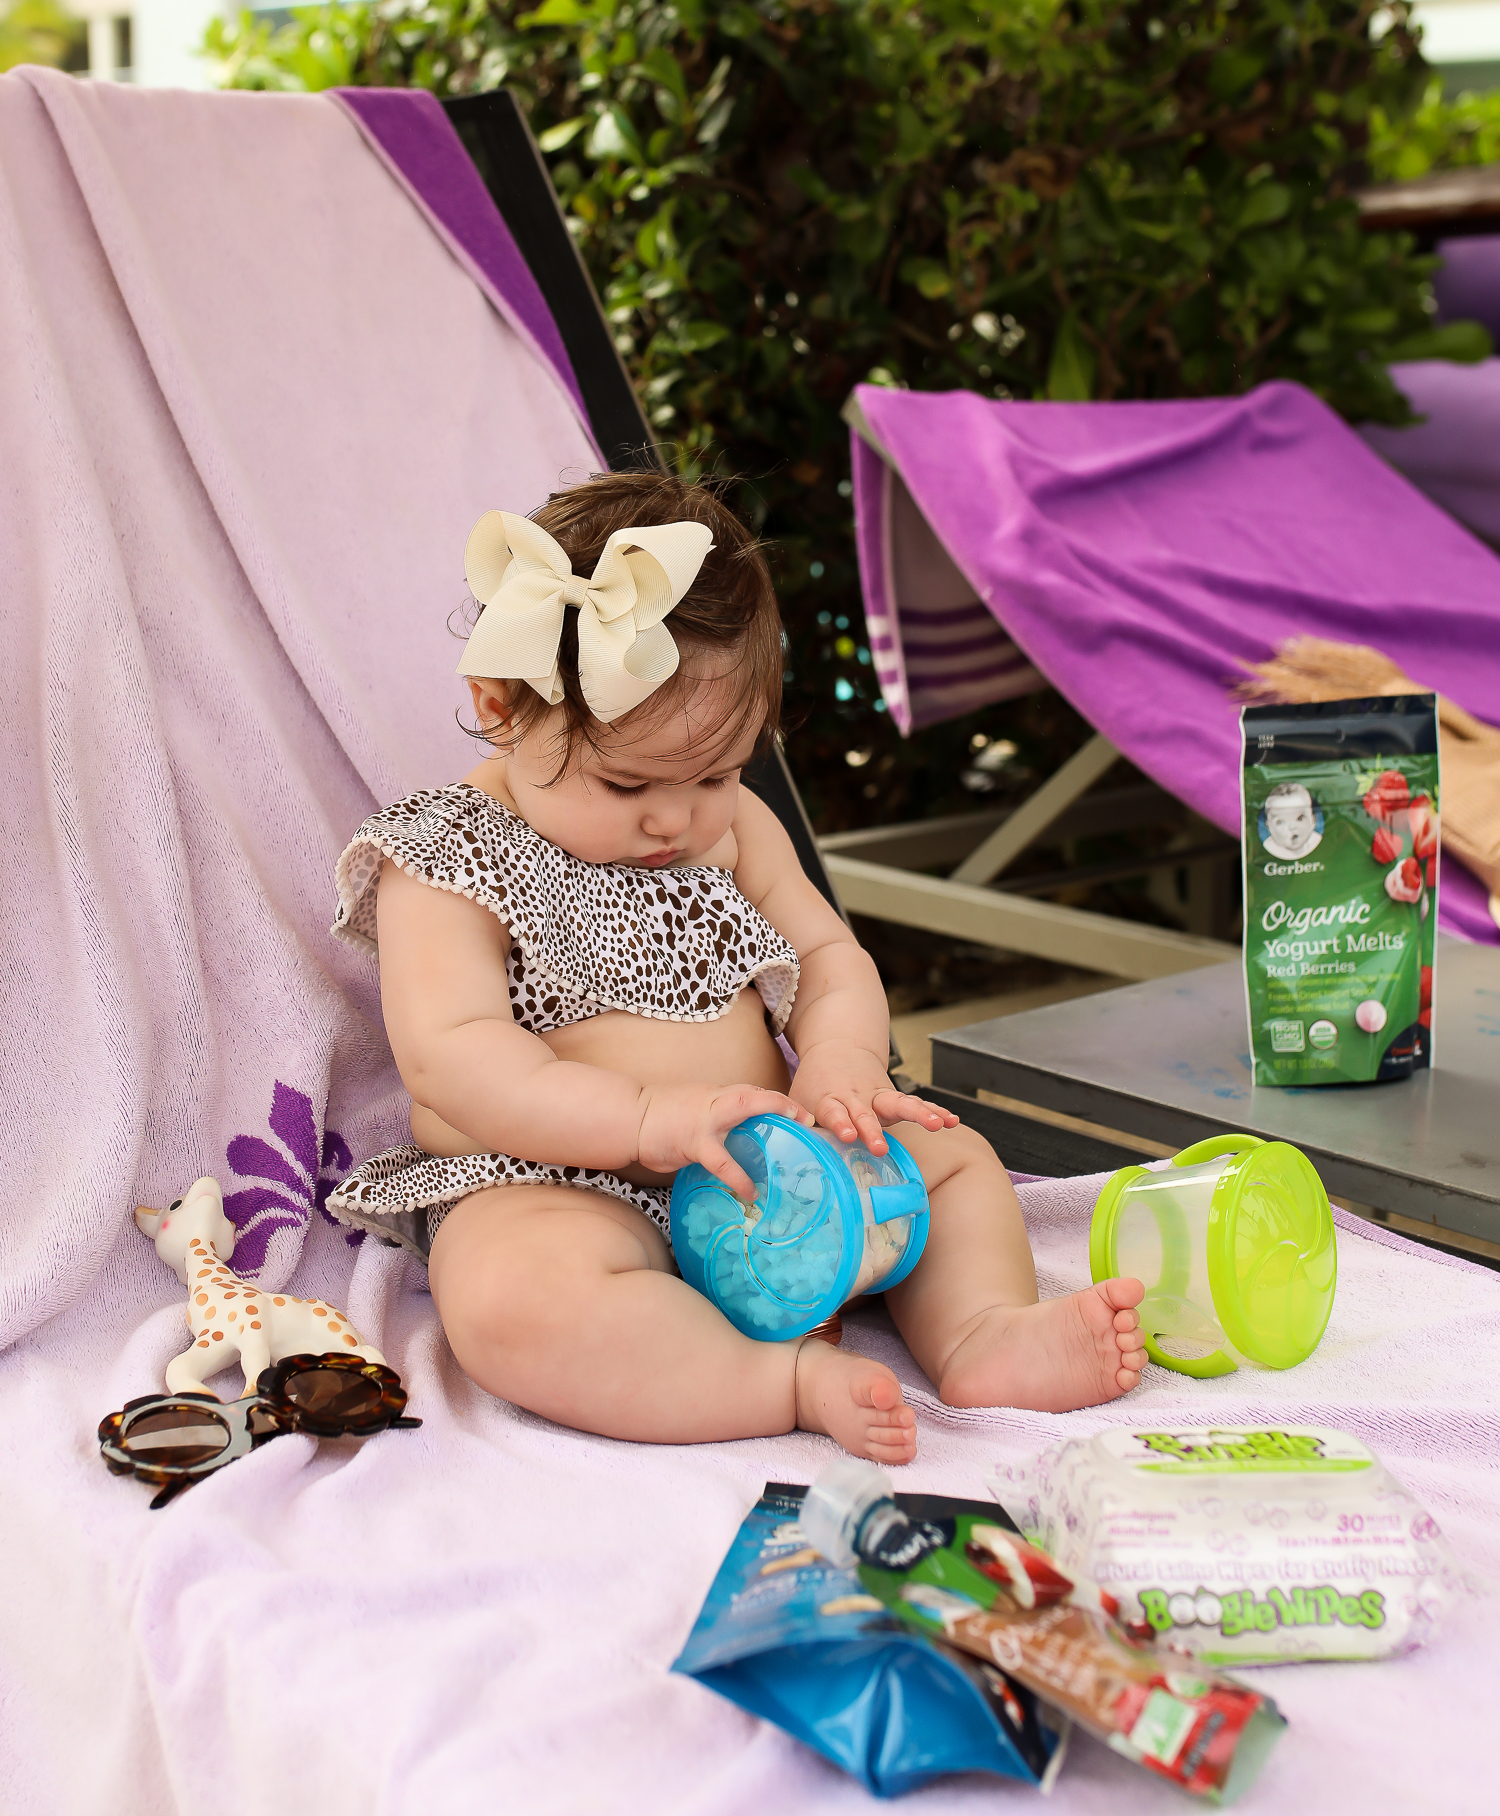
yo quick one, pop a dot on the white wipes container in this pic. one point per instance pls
(1241, 1545)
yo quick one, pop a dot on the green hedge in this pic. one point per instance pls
(779, 199)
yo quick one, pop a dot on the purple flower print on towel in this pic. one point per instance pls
(304, 1176)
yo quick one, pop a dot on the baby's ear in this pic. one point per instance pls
(492, 704)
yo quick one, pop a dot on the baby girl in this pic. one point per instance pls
(587, 950)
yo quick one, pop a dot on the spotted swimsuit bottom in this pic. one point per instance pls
(670, 945)
(402, 1195)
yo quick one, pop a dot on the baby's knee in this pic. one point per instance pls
(948, 1154)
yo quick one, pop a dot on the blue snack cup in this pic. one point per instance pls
(830, 1221)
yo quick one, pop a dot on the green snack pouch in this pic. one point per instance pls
(1340, 852)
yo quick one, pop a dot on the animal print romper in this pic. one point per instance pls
(674, 944)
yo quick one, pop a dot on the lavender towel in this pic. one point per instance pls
(410, 133)
(250, 408)
(1137, 555)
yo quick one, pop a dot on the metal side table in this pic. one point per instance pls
(1100, 1081)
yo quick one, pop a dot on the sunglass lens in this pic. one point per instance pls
(333, 1394)
(175, 1437)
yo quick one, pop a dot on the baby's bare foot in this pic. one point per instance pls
(1054, 1357)
(855, 1402)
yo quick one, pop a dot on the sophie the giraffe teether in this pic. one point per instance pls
(228, 1316)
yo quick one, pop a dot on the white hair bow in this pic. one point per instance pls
(524, 580)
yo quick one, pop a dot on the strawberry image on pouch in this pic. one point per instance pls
(1388, 794)
(1386, 846)
(1424, 827)
(1403, 882)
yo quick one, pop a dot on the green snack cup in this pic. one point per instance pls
(1234, 1243)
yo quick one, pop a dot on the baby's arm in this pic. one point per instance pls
(461, 1055)
(839, 1028)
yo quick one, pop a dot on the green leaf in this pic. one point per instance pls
(614, 137)
(556, 12)
(699, 335)
(1233, 71)
(1369, 321)
(711, 126)
(1265, 203)
(1274, 254)
(555, 137)
(913, 140)
(1464, 342)
(930, 278)
(663, 68)
(1160, 231)
(1070, 375)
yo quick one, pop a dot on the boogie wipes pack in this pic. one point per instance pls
(1340, 801)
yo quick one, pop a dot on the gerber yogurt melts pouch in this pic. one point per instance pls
(1340, 810)
(1242, 1546)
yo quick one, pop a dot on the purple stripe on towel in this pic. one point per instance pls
(929, 676)
(410, 127)
(994, 638)
(976, 613)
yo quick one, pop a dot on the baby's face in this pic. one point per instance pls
(638, 799)
(1290, 823)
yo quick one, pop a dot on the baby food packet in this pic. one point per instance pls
(1242, 1545)
(978, 1584)
(1340, 810)
(798, 1640)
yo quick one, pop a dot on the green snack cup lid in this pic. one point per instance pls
(1272, 1256)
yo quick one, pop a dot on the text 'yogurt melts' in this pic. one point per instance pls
(1242, 1545)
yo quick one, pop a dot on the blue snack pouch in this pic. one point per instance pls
(800, 1642)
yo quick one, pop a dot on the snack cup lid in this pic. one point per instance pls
(1272, 1256)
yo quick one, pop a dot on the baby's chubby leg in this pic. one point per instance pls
(562, 1301)
(969, 1310)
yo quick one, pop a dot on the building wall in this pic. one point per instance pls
(1461, 39)
(158, 42)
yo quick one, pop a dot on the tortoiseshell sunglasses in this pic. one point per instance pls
(174, 1440)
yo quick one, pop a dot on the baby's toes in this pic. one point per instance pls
(892, 1444)
(898, 1418)
(881, 1392)
(1121, 1293)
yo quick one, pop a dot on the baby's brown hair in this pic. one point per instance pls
(731, 606)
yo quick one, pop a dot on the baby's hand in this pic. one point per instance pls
(849, 1092)
(683, 1123)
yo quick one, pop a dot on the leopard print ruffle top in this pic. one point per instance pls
(674, 945)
